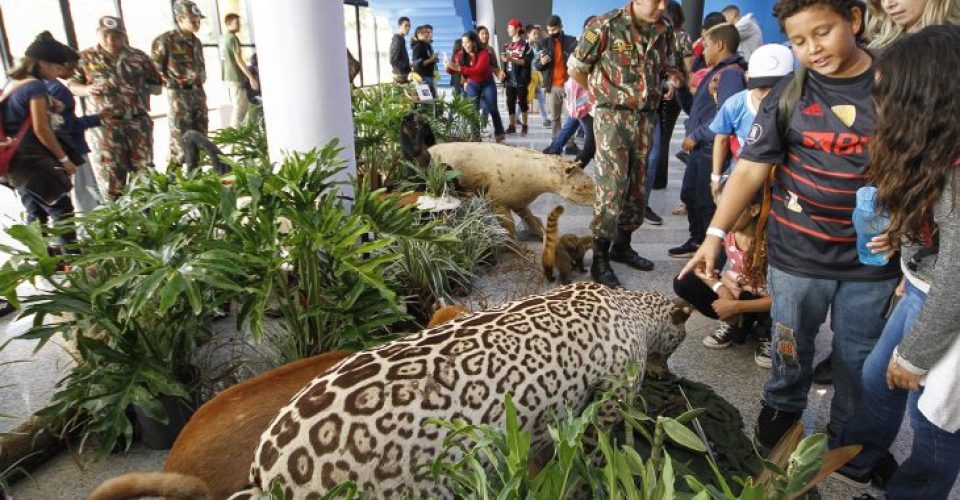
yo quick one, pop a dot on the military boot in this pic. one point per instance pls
(622, 252)
(600, 269)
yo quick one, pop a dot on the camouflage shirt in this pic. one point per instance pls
(124, 79)
(625, 64)
(179, 58)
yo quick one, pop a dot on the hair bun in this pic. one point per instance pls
(46, 36)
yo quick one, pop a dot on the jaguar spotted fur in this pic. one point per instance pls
(366, 420)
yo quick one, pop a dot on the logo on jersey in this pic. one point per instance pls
(812, 110)
(842, 144)
(846, 113)
(756, 131)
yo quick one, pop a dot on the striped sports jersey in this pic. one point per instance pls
(821, 164)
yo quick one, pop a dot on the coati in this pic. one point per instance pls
(415, 137)
(563, 253)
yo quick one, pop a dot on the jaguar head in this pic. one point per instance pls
(673, 330)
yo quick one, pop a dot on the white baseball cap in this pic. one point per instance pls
(768, 64)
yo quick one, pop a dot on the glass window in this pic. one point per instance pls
(368, 38)
(350, 27)
(25, 19)
(85, 14)
(384, 37)
(216, 90)
(146, 20)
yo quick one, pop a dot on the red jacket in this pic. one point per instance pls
(479, 69)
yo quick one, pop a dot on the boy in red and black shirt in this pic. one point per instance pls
(811, 244)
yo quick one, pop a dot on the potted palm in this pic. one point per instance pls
(157, 263)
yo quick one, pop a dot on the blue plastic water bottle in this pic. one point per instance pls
(869, 224)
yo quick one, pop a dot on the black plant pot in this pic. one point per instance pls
(157, 435)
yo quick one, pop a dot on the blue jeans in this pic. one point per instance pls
(653, 161)
(800, 306)
(485, 95)
(39, 210)
(569, 128)
(542, 102)
(934, 461)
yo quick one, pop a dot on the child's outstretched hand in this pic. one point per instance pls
(705, 260)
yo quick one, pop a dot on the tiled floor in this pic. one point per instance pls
(732, 371)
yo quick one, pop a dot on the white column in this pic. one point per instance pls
(301, 48)
(486, 16)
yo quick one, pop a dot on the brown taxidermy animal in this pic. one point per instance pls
(212, 455)
(564, 253)
(511, 178)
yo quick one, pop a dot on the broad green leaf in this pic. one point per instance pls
(683, 436)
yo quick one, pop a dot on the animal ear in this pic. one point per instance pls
(681, 312)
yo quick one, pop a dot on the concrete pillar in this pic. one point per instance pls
(301, 48)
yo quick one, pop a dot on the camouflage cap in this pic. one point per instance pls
(187, 8)
(111, 23)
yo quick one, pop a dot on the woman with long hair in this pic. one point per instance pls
(483, 35)
(474, 64)
(916, 170)
(889, 20)
(40, 168)
(456, 80)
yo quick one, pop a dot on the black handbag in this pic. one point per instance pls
(36, 170)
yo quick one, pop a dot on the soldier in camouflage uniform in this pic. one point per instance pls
(178, 55)
(118, 81)
(625, 60)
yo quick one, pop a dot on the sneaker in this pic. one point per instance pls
(5, 308)
(512, 129)
(499, 138)
(772, 424)
(524, 129)
(684, 251)
(681, 209)
(762, 355)
(652, 217)
(860, 481)
(722, 337)
(549, 151)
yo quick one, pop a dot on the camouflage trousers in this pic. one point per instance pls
(121, 146)
(188, 111)
(623, 144)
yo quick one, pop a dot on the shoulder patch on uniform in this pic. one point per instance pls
(591, 36)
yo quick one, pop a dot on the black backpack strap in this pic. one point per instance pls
(788, 101)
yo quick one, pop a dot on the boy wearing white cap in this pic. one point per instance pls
(768, 65)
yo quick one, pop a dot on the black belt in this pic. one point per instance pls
(184, 87)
